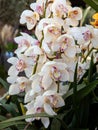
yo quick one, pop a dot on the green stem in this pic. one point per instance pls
(87, 55)
(35, 67)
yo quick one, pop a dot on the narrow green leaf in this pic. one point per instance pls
(10, 108)
(93, 4)
(2, 118)
(95, 1)
(24, 117)
(5, 125)
(85, 15)
(70, 92)
(74, 95)
(55, 125)
(5, 84)
(63, 124)
(86, 90)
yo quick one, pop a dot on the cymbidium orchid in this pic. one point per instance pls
(74, 15)
(59, 8)
(38, 7)
(22, 84)
(44, 66)
(24, 42)
(20, 64)
(30, 18)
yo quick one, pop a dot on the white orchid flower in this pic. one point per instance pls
(44, 23)
(19, 86)
(74, 15)
(51, 32)
(20, 64)
(24, 42)
(85, 35)
(38, 7)
(30, 18)
(59, 8)
(52, 100)
(34, 108)
(54, 71)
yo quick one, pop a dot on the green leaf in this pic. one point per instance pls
(86, 90)
(92, 3)
(85, 15)
(5, 84)
(2, 118)
(55, 125)
(16, 120)
(25, 117)
(10, 108)
(63, 124)
(70, 92)
(5, 125)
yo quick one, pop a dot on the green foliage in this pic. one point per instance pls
(92, 3)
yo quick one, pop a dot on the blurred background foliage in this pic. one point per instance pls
(10, 10)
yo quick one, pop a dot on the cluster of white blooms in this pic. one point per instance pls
(44, 65)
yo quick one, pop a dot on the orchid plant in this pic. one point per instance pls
(57, 63)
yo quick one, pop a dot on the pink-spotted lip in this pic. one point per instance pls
(20, 66)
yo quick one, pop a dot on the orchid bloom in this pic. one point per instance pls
(19, 86)
(35, 107)
(38, 7)
(53, 71)
(74, 15)
(30, 18)
(24, 42)
(20, 64)
(59, 8)
(85, 35)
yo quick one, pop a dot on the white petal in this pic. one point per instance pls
(45, 121)
(70, 51)
(20, 49)
(12, 79)
(14, 89)
(48, 109)
(30, 26)
(45, 47)
(60, 102)
(28, 97)
(46, 81)
(13, 71)
(22, 20)
(13, 60)
(29, 71)
(64, 76)
(63, 89)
